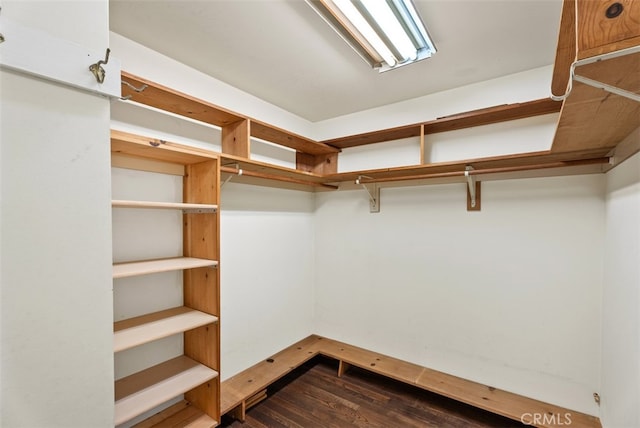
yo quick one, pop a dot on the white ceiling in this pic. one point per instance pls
(283, 52)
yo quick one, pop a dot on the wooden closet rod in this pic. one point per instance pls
(489, 170)
(275, 177)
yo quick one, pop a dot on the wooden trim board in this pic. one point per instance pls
(239, 388)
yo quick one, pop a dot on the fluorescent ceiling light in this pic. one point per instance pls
(386, 33)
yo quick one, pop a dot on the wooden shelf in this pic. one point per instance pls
(180, 415)
(189, 208)
(485, 116)
(262, 171)
(593, 118)
(147, 328)
(131, 145)
(167, 99)
(498, 167)
(122, 270)
(149, 388)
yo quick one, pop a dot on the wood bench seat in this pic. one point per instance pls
(248, 387)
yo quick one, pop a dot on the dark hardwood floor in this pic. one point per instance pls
(314, 396)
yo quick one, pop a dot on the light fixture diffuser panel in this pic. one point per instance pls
(386, 34)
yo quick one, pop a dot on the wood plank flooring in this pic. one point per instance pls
(313, 396)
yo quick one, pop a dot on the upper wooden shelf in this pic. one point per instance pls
(486, 116)
(167, 99)
(591, 126)
(146, 267)
(509, 166)
(149, 388)
(593, 118)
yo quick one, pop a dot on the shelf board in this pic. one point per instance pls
(186, 207)
(514, 164)
(147, 328)
(592, 118)
(149, 388)
(265, 172)
(127, 144)
(181, 415)
(167, 99)
(122, 270)
(485, 116)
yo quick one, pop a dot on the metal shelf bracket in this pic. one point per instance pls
(374, 194)
(596, 84)
(473, 190)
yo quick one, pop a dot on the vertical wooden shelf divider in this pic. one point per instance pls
(201, 286)
(236, 138)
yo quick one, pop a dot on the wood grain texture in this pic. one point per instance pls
(149, 388)
(485, 116)
(251, 381)
(124, 143)
(182, 414)
(201, 290)
(599, 34)
(236, 138)
(247, 383)
(592, 118)
(566, 50)
(313, 396)
(284, 138)
(167, 99)
(318, 164)
(526, 160)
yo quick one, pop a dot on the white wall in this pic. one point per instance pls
(525, 86)
(509, 296)
(55, 220)
(620, 391)
(267, 272)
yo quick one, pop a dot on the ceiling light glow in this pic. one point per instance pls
(386, 33)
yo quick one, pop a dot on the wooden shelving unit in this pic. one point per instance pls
(195, 373)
